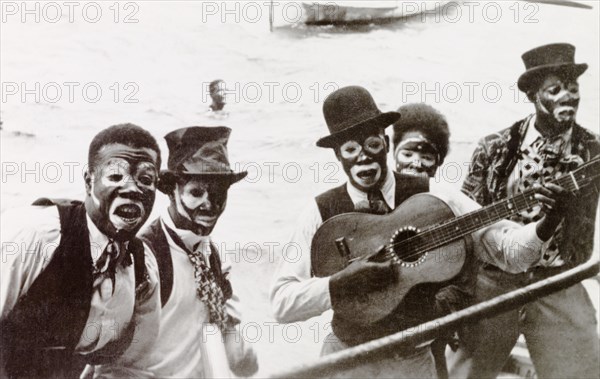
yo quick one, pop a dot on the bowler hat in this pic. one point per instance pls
(350, 110)
(198, 151)
(556, 58)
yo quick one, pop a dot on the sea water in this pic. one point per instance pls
(65, 78)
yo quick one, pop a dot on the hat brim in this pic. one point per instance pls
(380, 121)
(168, 178)
(533, 76)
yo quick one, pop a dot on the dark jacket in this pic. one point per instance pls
(493, 162)
(156, 239)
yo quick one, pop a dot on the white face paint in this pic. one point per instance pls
(560, 113)
(363, 160)
(558, 99)
(109, 177)
(199, 204)
(412, 162)
(121, 189)
(115, 220)
(415, 155)
(366, 176)
(93, 192)
(179, 204)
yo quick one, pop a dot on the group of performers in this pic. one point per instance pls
(88, 290)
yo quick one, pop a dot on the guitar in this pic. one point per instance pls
(424, 238)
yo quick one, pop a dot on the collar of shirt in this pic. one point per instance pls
(532, 133)
(388, 190)
(98, 241)
(189, 238)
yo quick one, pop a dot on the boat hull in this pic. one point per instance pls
(363, 12)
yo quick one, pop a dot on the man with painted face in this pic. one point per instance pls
(357, 137)
(196, 294)
(75, 281)
(421, 139)
(560, 329)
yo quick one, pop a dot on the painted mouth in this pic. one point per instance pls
(367, 174)
(129, 213)
(412, 171)
(205, 221)
(566, 111)
(415, 172)
(205, 218)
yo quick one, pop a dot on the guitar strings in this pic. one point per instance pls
(446, 236)
(445, 230)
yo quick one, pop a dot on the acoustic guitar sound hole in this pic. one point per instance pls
(404, 253)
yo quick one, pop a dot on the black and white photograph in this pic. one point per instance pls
(300, 189)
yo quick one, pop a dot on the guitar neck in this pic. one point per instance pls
(464, 225)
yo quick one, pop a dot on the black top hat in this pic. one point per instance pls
(350, 110)
(198, 151)
(556, 58)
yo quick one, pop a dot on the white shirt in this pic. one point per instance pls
(177, 351)
(388, 190)
(30, 236)
(296, 296)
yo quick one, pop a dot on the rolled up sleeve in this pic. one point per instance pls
(510, 246)
(507, 245)
(30, 236)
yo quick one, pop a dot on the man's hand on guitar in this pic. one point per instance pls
(360, 277)
(555, 201)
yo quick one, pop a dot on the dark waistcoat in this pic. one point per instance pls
(38, 337)
(156, 239)
(417, 304)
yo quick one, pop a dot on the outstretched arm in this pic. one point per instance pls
(515, 248)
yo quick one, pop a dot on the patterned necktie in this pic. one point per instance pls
(545, 160)
(207, 288)
(377, 203)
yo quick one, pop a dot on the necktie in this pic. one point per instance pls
(207, 288)
(377, 203)
(114, 253)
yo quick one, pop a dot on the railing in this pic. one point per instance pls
(381, 348)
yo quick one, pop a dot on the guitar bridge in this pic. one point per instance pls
(342, 249)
